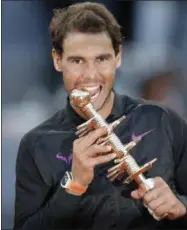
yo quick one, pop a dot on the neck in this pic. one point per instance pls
(104, 111)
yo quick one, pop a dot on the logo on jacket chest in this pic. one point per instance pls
(65, 158)
(135, 137)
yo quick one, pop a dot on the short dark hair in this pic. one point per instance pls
(84, 17)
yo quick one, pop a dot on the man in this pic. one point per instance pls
(61, 179)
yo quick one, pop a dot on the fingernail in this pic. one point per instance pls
(108, 147)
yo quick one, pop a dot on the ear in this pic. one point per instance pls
(57, 60)
(119, 57)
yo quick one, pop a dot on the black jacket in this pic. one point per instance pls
(45, 153)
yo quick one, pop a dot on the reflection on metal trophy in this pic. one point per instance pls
(125, 163)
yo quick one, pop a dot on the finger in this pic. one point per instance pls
(154, 204)
(152, 195)
(93, 136)
(135, 194)
(138, 193)
(94, 150)
(162, 210)
(103, 159)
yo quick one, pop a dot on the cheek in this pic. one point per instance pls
(70, 77)
(108, 73)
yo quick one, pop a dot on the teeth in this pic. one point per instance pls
(93, 87)
(93, 90)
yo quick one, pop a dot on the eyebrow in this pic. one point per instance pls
(74, 57)
(106, 55)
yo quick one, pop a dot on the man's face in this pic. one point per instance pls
(88, 61)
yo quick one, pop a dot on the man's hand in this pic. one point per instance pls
(161, 200)
(87, 154)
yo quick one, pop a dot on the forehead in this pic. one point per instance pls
(87, 44)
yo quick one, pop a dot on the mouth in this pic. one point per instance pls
(94, 91)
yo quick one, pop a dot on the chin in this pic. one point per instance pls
(100, 102)
(98, 105)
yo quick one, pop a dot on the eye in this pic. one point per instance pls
(102, 59)
(77, 61)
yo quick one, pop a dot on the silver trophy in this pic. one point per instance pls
(124, 162)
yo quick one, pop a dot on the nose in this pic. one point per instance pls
(90, 71)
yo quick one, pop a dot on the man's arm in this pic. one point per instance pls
(171, 200)
(36, 206)
(178, 127)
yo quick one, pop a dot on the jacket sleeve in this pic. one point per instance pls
(177, 132)
(36, 206)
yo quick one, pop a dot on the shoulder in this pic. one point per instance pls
(146, 107)
(155, 112)
(163, 111)
(154, 108)
(164, 118)
(30, 139)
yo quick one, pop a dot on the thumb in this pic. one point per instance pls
(138, 193)
(135, 194)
